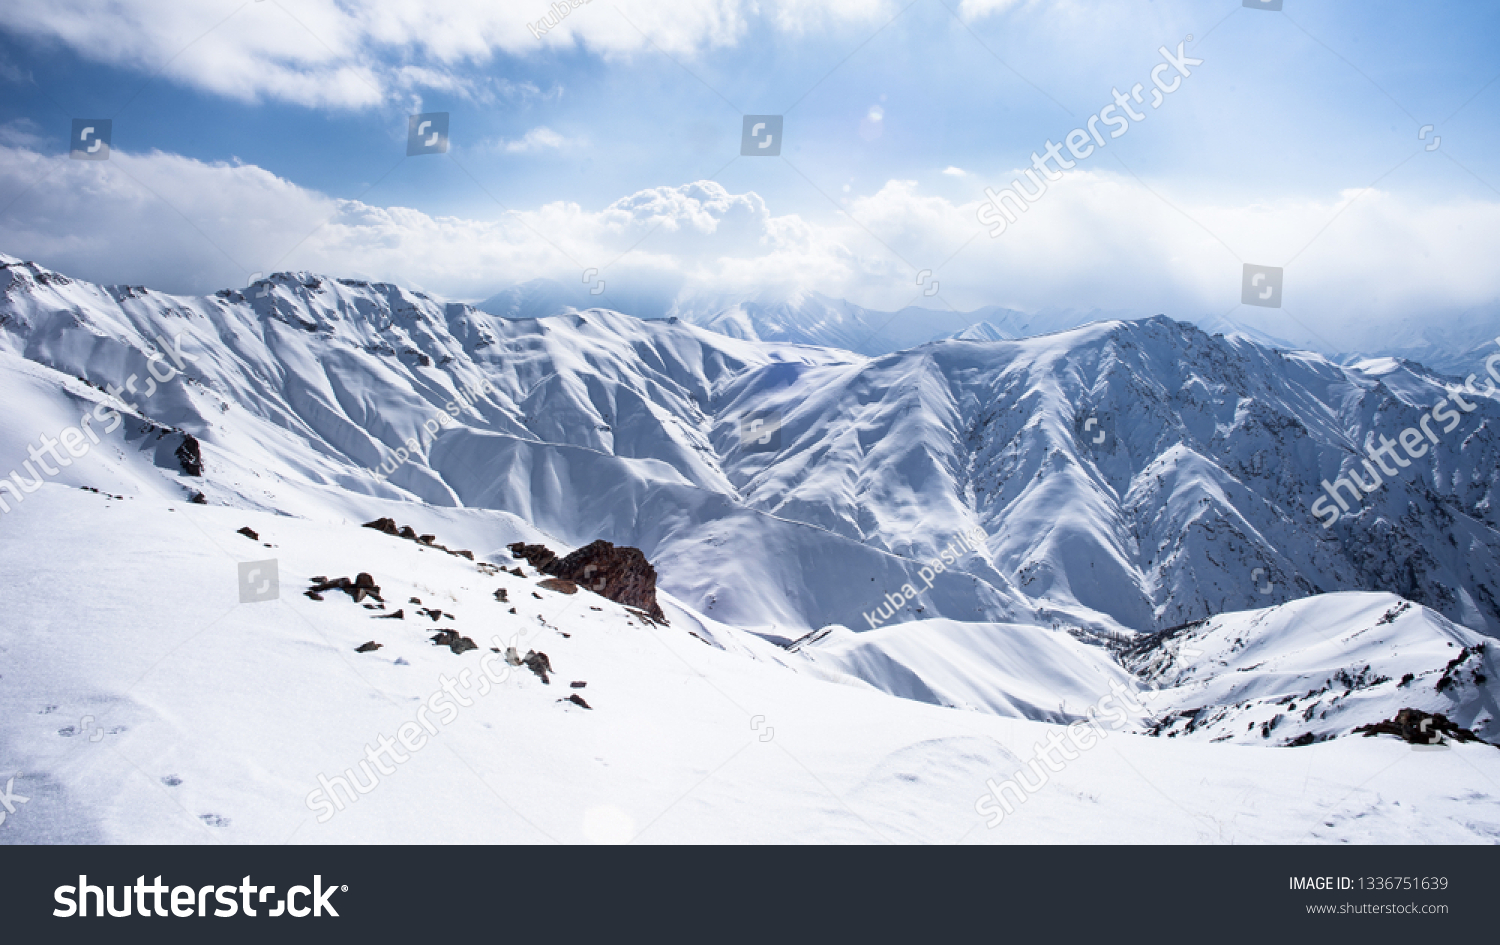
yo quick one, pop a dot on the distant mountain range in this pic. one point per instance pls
(1454, 346)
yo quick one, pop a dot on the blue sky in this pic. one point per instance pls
(238, 127)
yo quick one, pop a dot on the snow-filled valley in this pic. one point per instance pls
(937, 575)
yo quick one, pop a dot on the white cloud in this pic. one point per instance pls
(10, 72)
(537, 139)
(22, 133)
(955, 171)
(1093, 240)
(358, 53)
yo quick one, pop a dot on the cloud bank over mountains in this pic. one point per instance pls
(1101, 241)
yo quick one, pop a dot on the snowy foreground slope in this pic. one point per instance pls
(143, 703)
(949, 555)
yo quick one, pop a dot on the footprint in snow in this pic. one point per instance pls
(171, 780)
(214, 820)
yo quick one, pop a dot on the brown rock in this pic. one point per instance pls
(359, 589)
(454, 642)
(1419, 728)
(618, 572)
(559, 585)
(538, 556)
(190, 456)
(367, 647)
(539, 664)
(387, 525)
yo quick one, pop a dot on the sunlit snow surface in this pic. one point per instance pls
(144, 702)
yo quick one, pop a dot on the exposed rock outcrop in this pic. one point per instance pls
(389, 527)
(361, 587)
(1419, 728)
(190, 456)
(452, 640)
(618, 572)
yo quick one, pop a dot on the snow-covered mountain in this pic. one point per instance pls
(791, 317)
(1006, 534)
(1443, 343)
(1456, 346)
(1315, 669)
(1126, 476)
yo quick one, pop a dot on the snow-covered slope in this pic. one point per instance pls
(1127, 475)
(1143, 474)
(146, 704)
(990, 530)
(1316, 669)
(308, 393)
(1011, 670)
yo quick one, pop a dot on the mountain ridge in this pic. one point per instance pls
(1128, 475)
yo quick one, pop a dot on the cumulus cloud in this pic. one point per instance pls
(357, 53)
(1093, 240)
